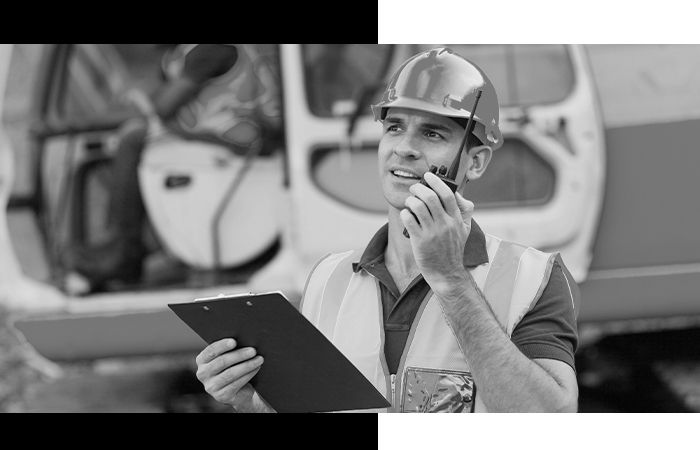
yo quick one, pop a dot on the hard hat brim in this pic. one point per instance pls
(379, 111)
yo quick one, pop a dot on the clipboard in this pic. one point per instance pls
(303, 371)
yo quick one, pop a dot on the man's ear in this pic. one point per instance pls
(476, 162)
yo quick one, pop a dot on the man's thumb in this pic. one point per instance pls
(466, 208)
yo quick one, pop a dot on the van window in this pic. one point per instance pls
(516, 177)
(523, 75)
(101, 80)
(100, 75)
(335, 75)
(349, 178)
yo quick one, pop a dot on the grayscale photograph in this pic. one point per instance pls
(382, 228)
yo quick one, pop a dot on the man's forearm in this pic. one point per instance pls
(507, 379)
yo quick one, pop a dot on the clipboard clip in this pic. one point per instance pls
(222, 295)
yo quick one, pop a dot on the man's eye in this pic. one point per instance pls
(393, 128)
(433, 135)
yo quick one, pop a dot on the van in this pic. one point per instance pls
(599, 163)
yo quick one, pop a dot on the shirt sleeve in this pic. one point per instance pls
(549, 329)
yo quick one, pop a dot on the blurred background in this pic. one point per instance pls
(137, 175)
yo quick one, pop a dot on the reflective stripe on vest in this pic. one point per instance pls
(433, 373)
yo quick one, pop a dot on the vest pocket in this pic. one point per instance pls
(436, 390)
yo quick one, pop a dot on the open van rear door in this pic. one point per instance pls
(544, 187)
(334, 189)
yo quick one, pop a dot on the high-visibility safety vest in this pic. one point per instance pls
(433, 373)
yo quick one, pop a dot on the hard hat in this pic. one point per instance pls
(442, 82)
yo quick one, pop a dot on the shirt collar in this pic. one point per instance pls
(474, 251)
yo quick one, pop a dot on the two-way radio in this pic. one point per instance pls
(448, 176)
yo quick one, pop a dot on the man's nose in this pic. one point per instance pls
(406, 149)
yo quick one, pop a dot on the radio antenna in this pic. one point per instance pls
(454, 167)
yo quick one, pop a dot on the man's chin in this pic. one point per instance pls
(397, 200)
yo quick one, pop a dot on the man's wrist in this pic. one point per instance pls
(251, 404)
(453, 286)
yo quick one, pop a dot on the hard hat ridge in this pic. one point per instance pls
(442, 82)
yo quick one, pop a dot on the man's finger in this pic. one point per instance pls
(229, 391)
(444, 193)
(409, 221)
(223, 362)
(419, 209)
(466, 208)
(234, 373)
(430, 198)
(215, 349)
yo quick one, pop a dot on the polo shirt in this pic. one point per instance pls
(548, 330)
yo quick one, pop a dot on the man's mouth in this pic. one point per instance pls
(404, 174)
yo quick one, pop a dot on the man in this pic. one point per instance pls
(468, 322)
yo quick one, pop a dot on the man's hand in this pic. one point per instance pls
(439, 235)
(225, 371)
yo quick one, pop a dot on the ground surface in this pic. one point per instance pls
(643, 372)
(145, 385)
